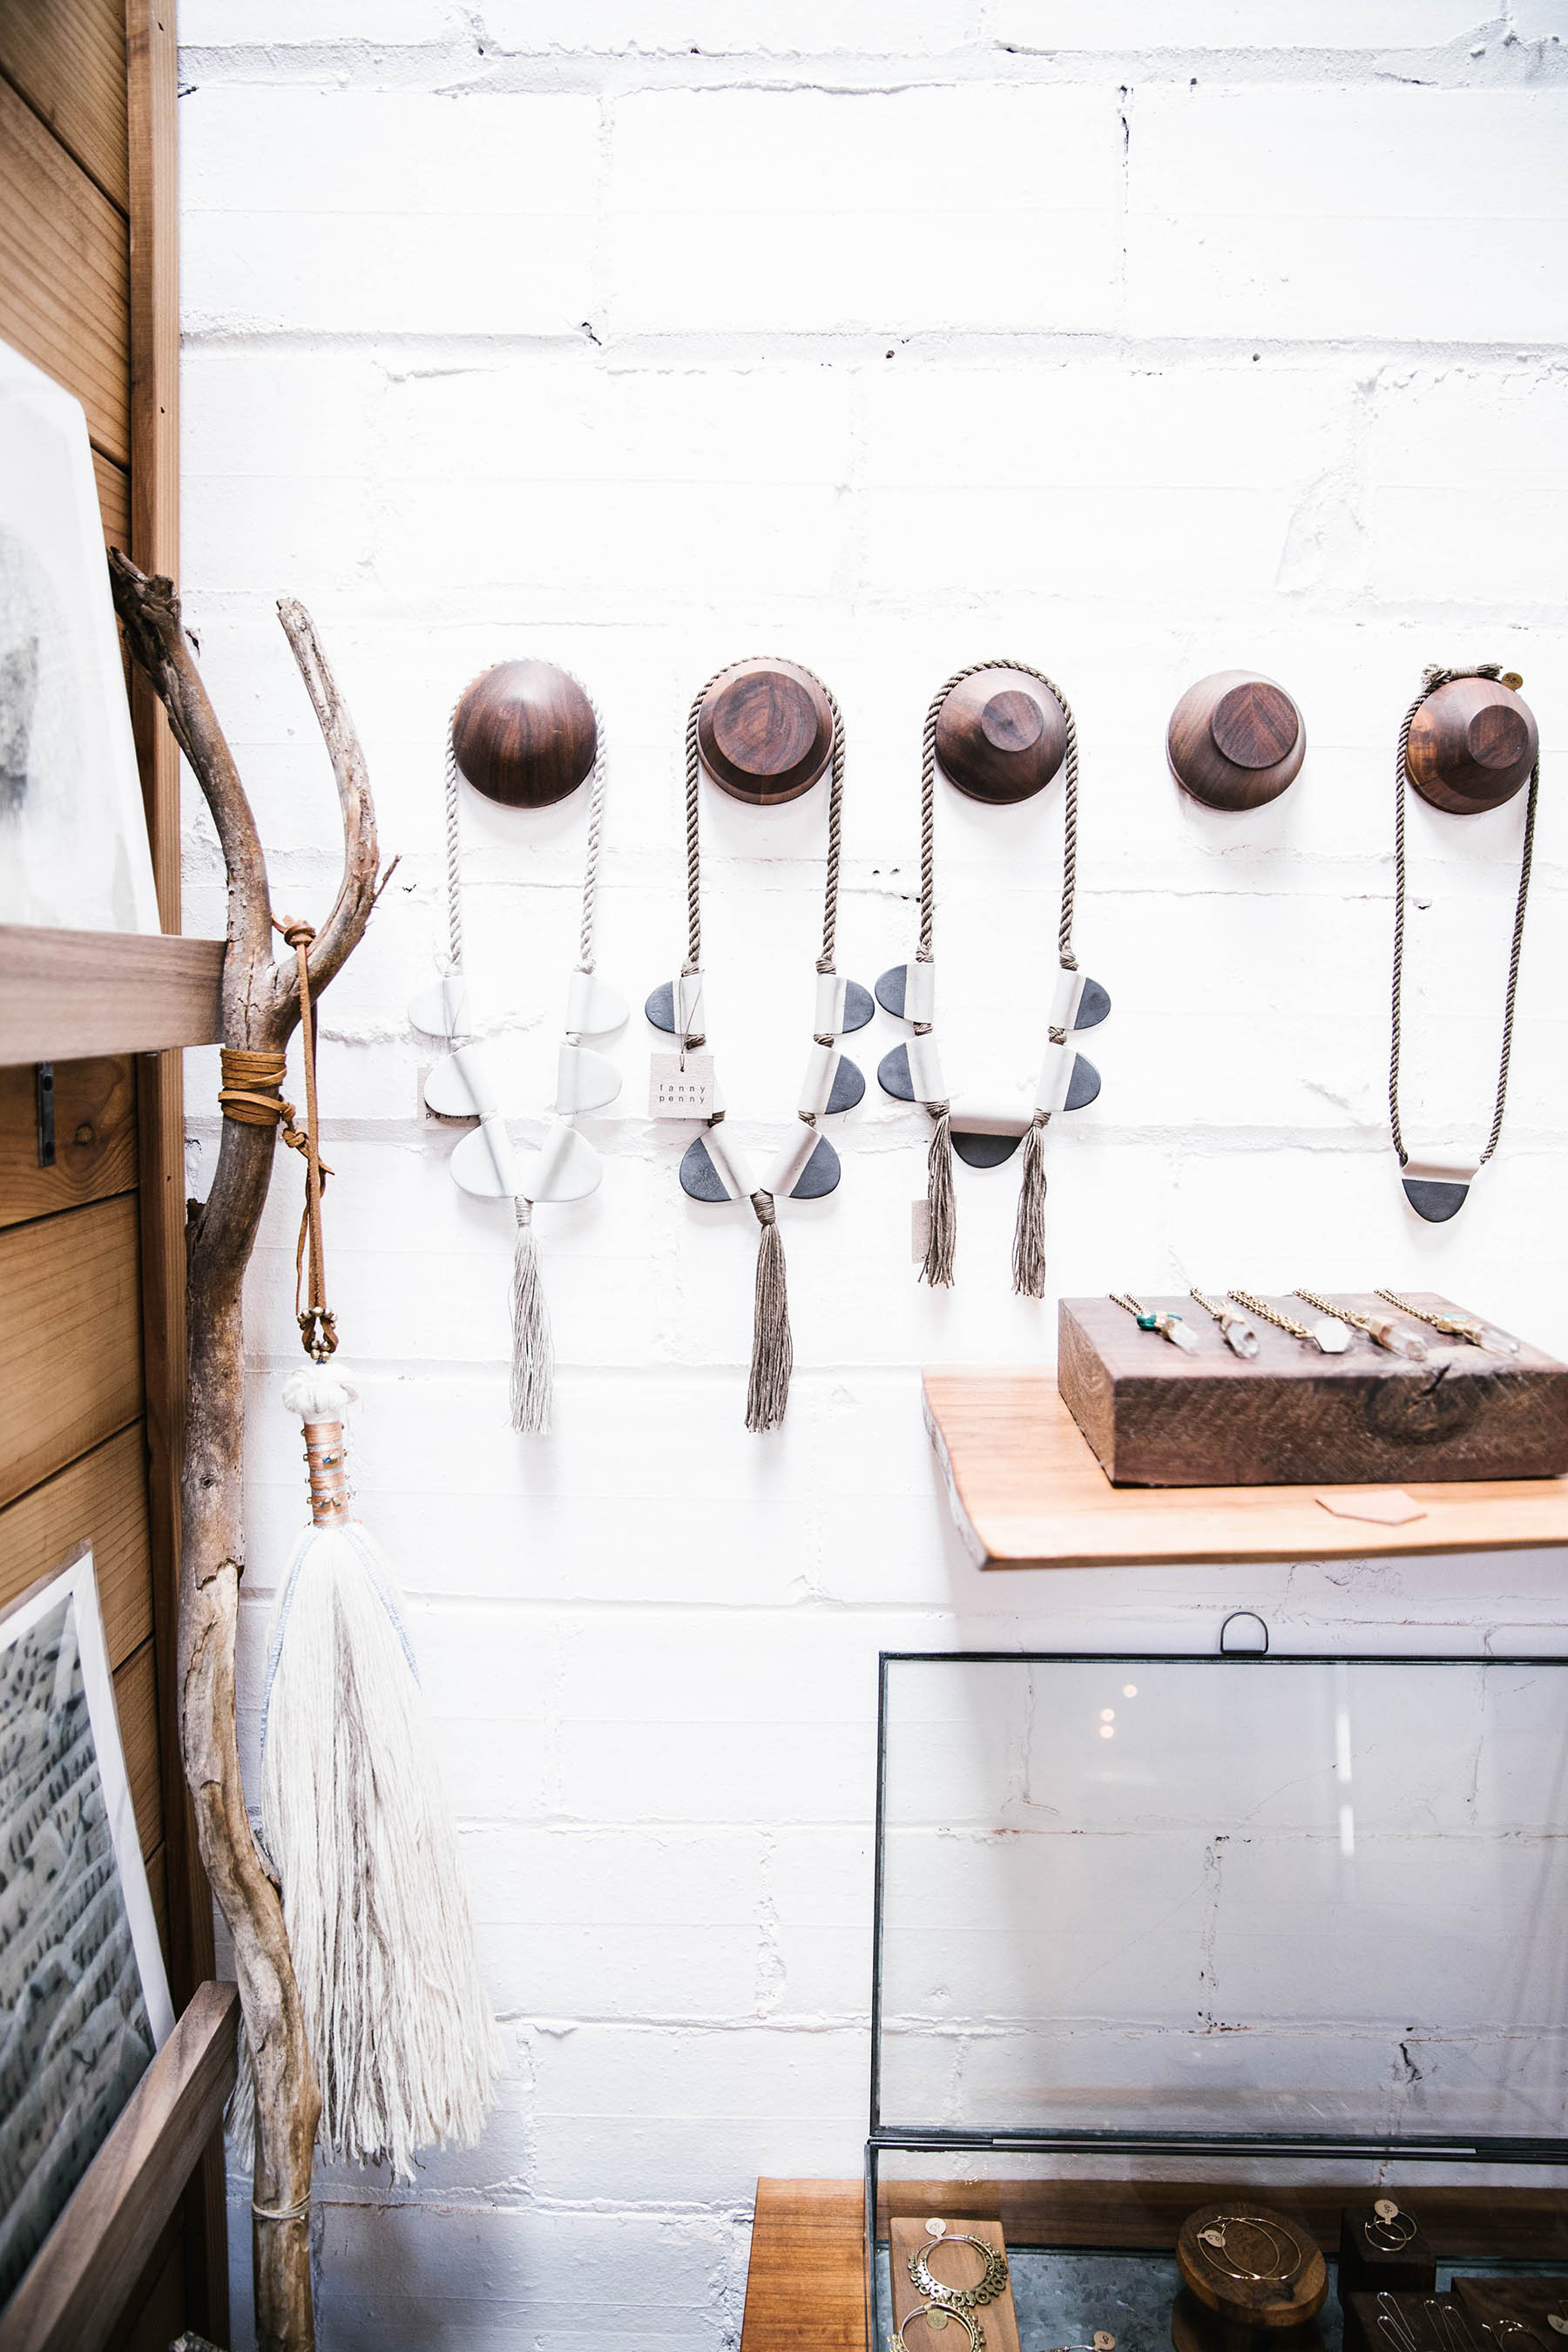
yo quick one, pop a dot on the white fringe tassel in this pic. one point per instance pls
(405, 2048)
(532, 1345)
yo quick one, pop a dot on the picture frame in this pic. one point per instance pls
(84, 1996)
(74, 851)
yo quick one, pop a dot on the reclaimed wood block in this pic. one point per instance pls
(1366, 2266)
(1156, 1416)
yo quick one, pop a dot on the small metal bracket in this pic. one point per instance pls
(44, 1076)
(1247, 1649)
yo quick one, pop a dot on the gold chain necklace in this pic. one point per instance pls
(1378, 1328)
(1456, 1327)
(1168, 1325)
(1235, 1329)
(1328, 1335)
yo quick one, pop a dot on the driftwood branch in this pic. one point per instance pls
(261, 1009)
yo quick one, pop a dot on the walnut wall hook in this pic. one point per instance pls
(1001, 736)
(1235, 740)
(525, 734)
(1473, 743)
(765, 732)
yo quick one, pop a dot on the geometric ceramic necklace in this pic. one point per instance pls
(1437, 1183)
(986, 1133)
(714, 1167)
(485, 1164)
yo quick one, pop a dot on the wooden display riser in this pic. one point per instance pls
(1026, 1492)
(808, 2239)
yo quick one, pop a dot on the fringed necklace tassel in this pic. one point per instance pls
(772, 1348)
(1029, 1233)
(354, 1818)
(532, 1345)
(942, 1223)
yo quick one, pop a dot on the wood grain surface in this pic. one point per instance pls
(67, 60)
(1235, 740)
(952, 2266)
(765, 732)
(1026, 1492)
(808, 2240)
(1365, 2267)
(1530, 2301)
(525, 734)
(65, 995)
(70, 1372)
(95, 1136)
(1472, 745)
(136, 1703)
(1257, 2237)
(1157, 1416)
(65, 266)
(102, 1500)
(1001, 736)
(73, 2292)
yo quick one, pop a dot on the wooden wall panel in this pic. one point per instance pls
(71, 1370)
(113, 500)
(136, 1696)
(102, 1500)
(95, 1136)
(68, 59)
(65, 273)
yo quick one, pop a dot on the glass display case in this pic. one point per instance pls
(1150, 1929)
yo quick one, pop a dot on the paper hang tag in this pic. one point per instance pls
(681, 1090)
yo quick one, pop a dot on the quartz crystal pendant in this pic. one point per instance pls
(1170, 1327)
(1480, 1335)
(1329, 1335)
(1398, 1339)
(1239, 1336)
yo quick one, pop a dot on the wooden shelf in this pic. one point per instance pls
(1026, 1492)
(65, 995)
(71, 2291)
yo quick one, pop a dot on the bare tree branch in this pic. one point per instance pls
(344, 927)
(261, 1009)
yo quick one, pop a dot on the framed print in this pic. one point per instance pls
(84, 2000)
(73, 837)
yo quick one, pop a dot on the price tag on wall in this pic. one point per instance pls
(679, 1089)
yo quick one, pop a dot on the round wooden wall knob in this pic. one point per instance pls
(1235, 740)
(1473, 743)
(524, 733)
(765, 732)
(1001, 736)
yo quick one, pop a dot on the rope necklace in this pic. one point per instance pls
(1436, 1185)
(713, 1168)
(984, 1135)
(566, 1166)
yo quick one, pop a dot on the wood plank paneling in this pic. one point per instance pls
(72, 2294)
(71, 1370)
(65, 273)
(113, 500)
(156, 2308)
(815, 2232)
(95, 1136)
(68, 59)
(136, 1697)
(68, 994)
(102, 1500)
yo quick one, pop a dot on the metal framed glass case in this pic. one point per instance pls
(1145, 1925)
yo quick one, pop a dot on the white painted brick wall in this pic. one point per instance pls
(1133, 341)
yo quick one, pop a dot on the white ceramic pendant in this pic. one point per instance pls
(442, 1010)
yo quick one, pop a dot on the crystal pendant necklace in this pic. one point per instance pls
(1329, 1334)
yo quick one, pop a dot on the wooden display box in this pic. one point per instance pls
(1157, 1416)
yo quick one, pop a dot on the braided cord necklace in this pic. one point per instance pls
(713, 1166)
(566, 1166)
(1436, 1187)
(982, 1134)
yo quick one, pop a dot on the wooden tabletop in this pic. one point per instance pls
(1026, 1492)
(806, 2284)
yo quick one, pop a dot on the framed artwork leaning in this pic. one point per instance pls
(84, 1999)
(73, 838)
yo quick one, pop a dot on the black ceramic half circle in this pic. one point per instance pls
(1084, 1084)
(819, 1176)
(893, 1075)
(1092, 1005)
(890, 989)
(699, 1180)
(1434, 1200)
(848, 1085)
(984, 1150)
(858, 1006)
(660, 1007)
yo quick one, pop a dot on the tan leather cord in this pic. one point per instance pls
(251, 1095)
